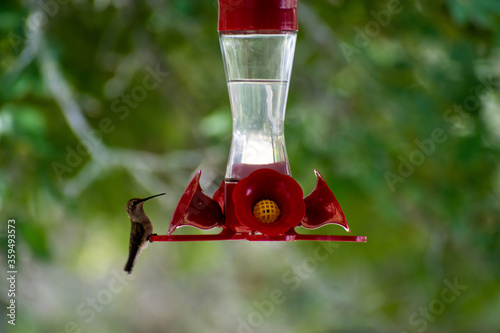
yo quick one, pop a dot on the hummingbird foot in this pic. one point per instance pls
(149, 238)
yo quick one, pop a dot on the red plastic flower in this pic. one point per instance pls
(322, 207)
(267, 184)
(196, 209)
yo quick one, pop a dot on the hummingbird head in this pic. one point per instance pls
(134, 206)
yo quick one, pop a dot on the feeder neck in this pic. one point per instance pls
(257, 15)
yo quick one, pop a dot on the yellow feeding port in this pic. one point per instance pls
(266, 211)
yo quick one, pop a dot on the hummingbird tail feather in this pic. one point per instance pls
(132, 257)
(134, 253)
(128, 266)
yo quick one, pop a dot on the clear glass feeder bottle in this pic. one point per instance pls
(258, 65)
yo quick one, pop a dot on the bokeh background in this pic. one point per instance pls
(402, 121)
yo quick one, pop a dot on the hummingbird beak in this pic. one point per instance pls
(153, 196)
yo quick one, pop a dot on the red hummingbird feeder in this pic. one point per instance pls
(258, 200)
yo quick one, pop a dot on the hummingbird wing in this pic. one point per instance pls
(134, 249)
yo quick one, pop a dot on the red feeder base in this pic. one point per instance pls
(232, 205)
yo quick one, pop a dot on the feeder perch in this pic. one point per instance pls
(258, 200)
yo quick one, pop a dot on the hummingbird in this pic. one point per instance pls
(140, 231)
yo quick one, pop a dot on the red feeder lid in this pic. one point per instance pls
(238, 15)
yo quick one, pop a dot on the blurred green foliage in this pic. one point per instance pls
(363, 102)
